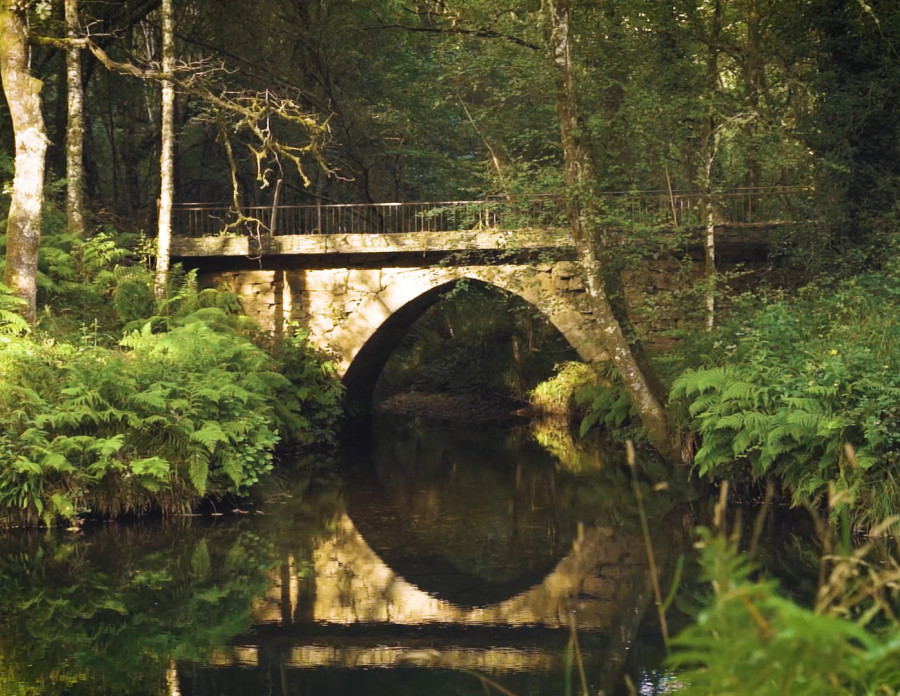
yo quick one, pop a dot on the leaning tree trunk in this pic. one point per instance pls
(23, 227)
(167, 154)
(74, 125)
(588, 243)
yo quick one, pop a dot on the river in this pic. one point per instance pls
(435, 559)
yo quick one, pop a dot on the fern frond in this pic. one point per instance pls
(699, 381)
(740, 391)
(198, 472)
(210, 435)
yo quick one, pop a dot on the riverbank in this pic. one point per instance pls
(446, 406)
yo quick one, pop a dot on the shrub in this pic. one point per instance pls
(179, 415)
(183, 405)
(308, 404)
(558, 394)
(807, 390)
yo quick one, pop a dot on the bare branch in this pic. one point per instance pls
(252, 111)
(477, 32)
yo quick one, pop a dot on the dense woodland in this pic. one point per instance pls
(125, 387)
(135, 106)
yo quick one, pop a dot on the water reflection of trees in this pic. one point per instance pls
(114, 609)
(110, 610)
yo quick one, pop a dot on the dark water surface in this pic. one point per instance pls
(444, 560)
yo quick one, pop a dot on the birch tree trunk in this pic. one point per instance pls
(708, 213)
(578, 162)
(708, 151)
(74, 125)
(167, 151)
(22, 90)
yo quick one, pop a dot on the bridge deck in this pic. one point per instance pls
(361, 243)
(219, 230)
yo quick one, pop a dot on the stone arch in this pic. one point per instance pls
(377, 307)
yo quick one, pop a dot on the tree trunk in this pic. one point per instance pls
(23, 229)
(754, 80)
(74, 126)
(708, 151)
(588, 242)
(167, 154)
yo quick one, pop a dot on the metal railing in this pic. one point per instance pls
(742, 206)
(642, 208)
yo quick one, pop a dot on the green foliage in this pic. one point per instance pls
(308, 405)
(80, 281)
(106, 612)
(853, 130)
(784, 388)
(155, 405)
(605, 403)
(558, 394)
(177, 416)
(11, 323)
(752, 641)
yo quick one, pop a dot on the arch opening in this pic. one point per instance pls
(465, 336)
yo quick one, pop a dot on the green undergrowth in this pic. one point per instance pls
(154, 404)
(558, 394)
(801, 388)
(595, 399)
(751, 639)
(806, 390)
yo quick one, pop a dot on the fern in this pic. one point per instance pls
(198, 471)
(782, 389)
(210, 435)
(751, 641)
(181, 406)
(11, 323)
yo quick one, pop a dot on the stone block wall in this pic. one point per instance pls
(348, 310)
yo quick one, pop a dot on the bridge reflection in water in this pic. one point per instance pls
(438, 557)
(601, 578)
(343, 606)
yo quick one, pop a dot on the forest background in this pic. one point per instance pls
(125, 388)
(133, 106)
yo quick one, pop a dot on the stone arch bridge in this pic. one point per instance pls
(358, 276)
(359, 294)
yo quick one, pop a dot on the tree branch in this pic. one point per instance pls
(252, 111)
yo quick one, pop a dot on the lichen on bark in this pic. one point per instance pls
(22, 91)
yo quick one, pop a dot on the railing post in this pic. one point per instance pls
(273, 218)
